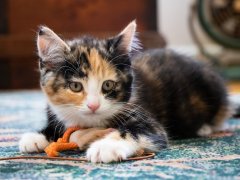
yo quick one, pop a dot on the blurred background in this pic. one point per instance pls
(207, 29)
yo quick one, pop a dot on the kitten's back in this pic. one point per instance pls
(182, 93)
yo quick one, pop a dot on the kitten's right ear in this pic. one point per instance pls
(49, 43)
(126, 41)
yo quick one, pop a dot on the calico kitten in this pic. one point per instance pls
(145, 96)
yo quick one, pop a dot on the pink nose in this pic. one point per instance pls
(93, 106)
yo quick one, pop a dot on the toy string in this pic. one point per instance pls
(145, 156)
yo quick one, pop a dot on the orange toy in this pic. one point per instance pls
(75, 138)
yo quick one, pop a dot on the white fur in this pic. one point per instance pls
(32, 142)
(205, 130)
(108, 150)
(147, 145)
(93, 86)
(83, 117)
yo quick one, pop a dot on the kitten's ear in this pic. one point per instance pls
(126, 40)
(49, 43)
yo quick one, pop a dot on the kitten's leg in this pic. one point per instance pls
(120, 145)
(37, 141)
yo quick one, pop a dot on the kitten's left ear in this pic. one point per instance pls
(49, 43)
(127, 40)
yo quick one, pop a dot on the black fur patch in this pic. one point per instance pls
(54, 128)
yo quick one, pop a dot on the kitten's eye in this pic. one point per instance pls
(108, 85)
(75, 86)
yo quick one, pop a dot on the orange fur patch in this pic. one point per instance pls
(197, 102)
(63, 96)
(99, 67)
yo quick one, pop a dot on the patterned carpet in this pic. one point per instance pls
(204, 158)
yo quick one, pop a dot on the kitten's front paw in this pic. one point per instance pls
(109, 150)
(32, 142)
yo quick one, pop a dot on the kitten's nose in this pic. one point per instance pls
(93, 106)
(93, 102)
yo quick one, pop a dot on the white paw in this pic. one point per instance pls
(109, 150)
(32, 142)
(205, 130)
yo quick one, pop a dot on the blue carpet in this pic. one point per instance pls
(216, 157)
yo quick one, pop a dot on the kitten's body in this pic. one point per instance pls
(154, 92)
(182, 93)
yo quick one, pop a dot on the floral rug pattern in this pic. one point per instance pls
(216, 157)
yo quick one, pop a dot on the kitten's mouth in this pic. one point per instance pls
(91, 113)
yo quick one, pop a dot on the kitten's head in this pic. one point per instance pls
(86, 80)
